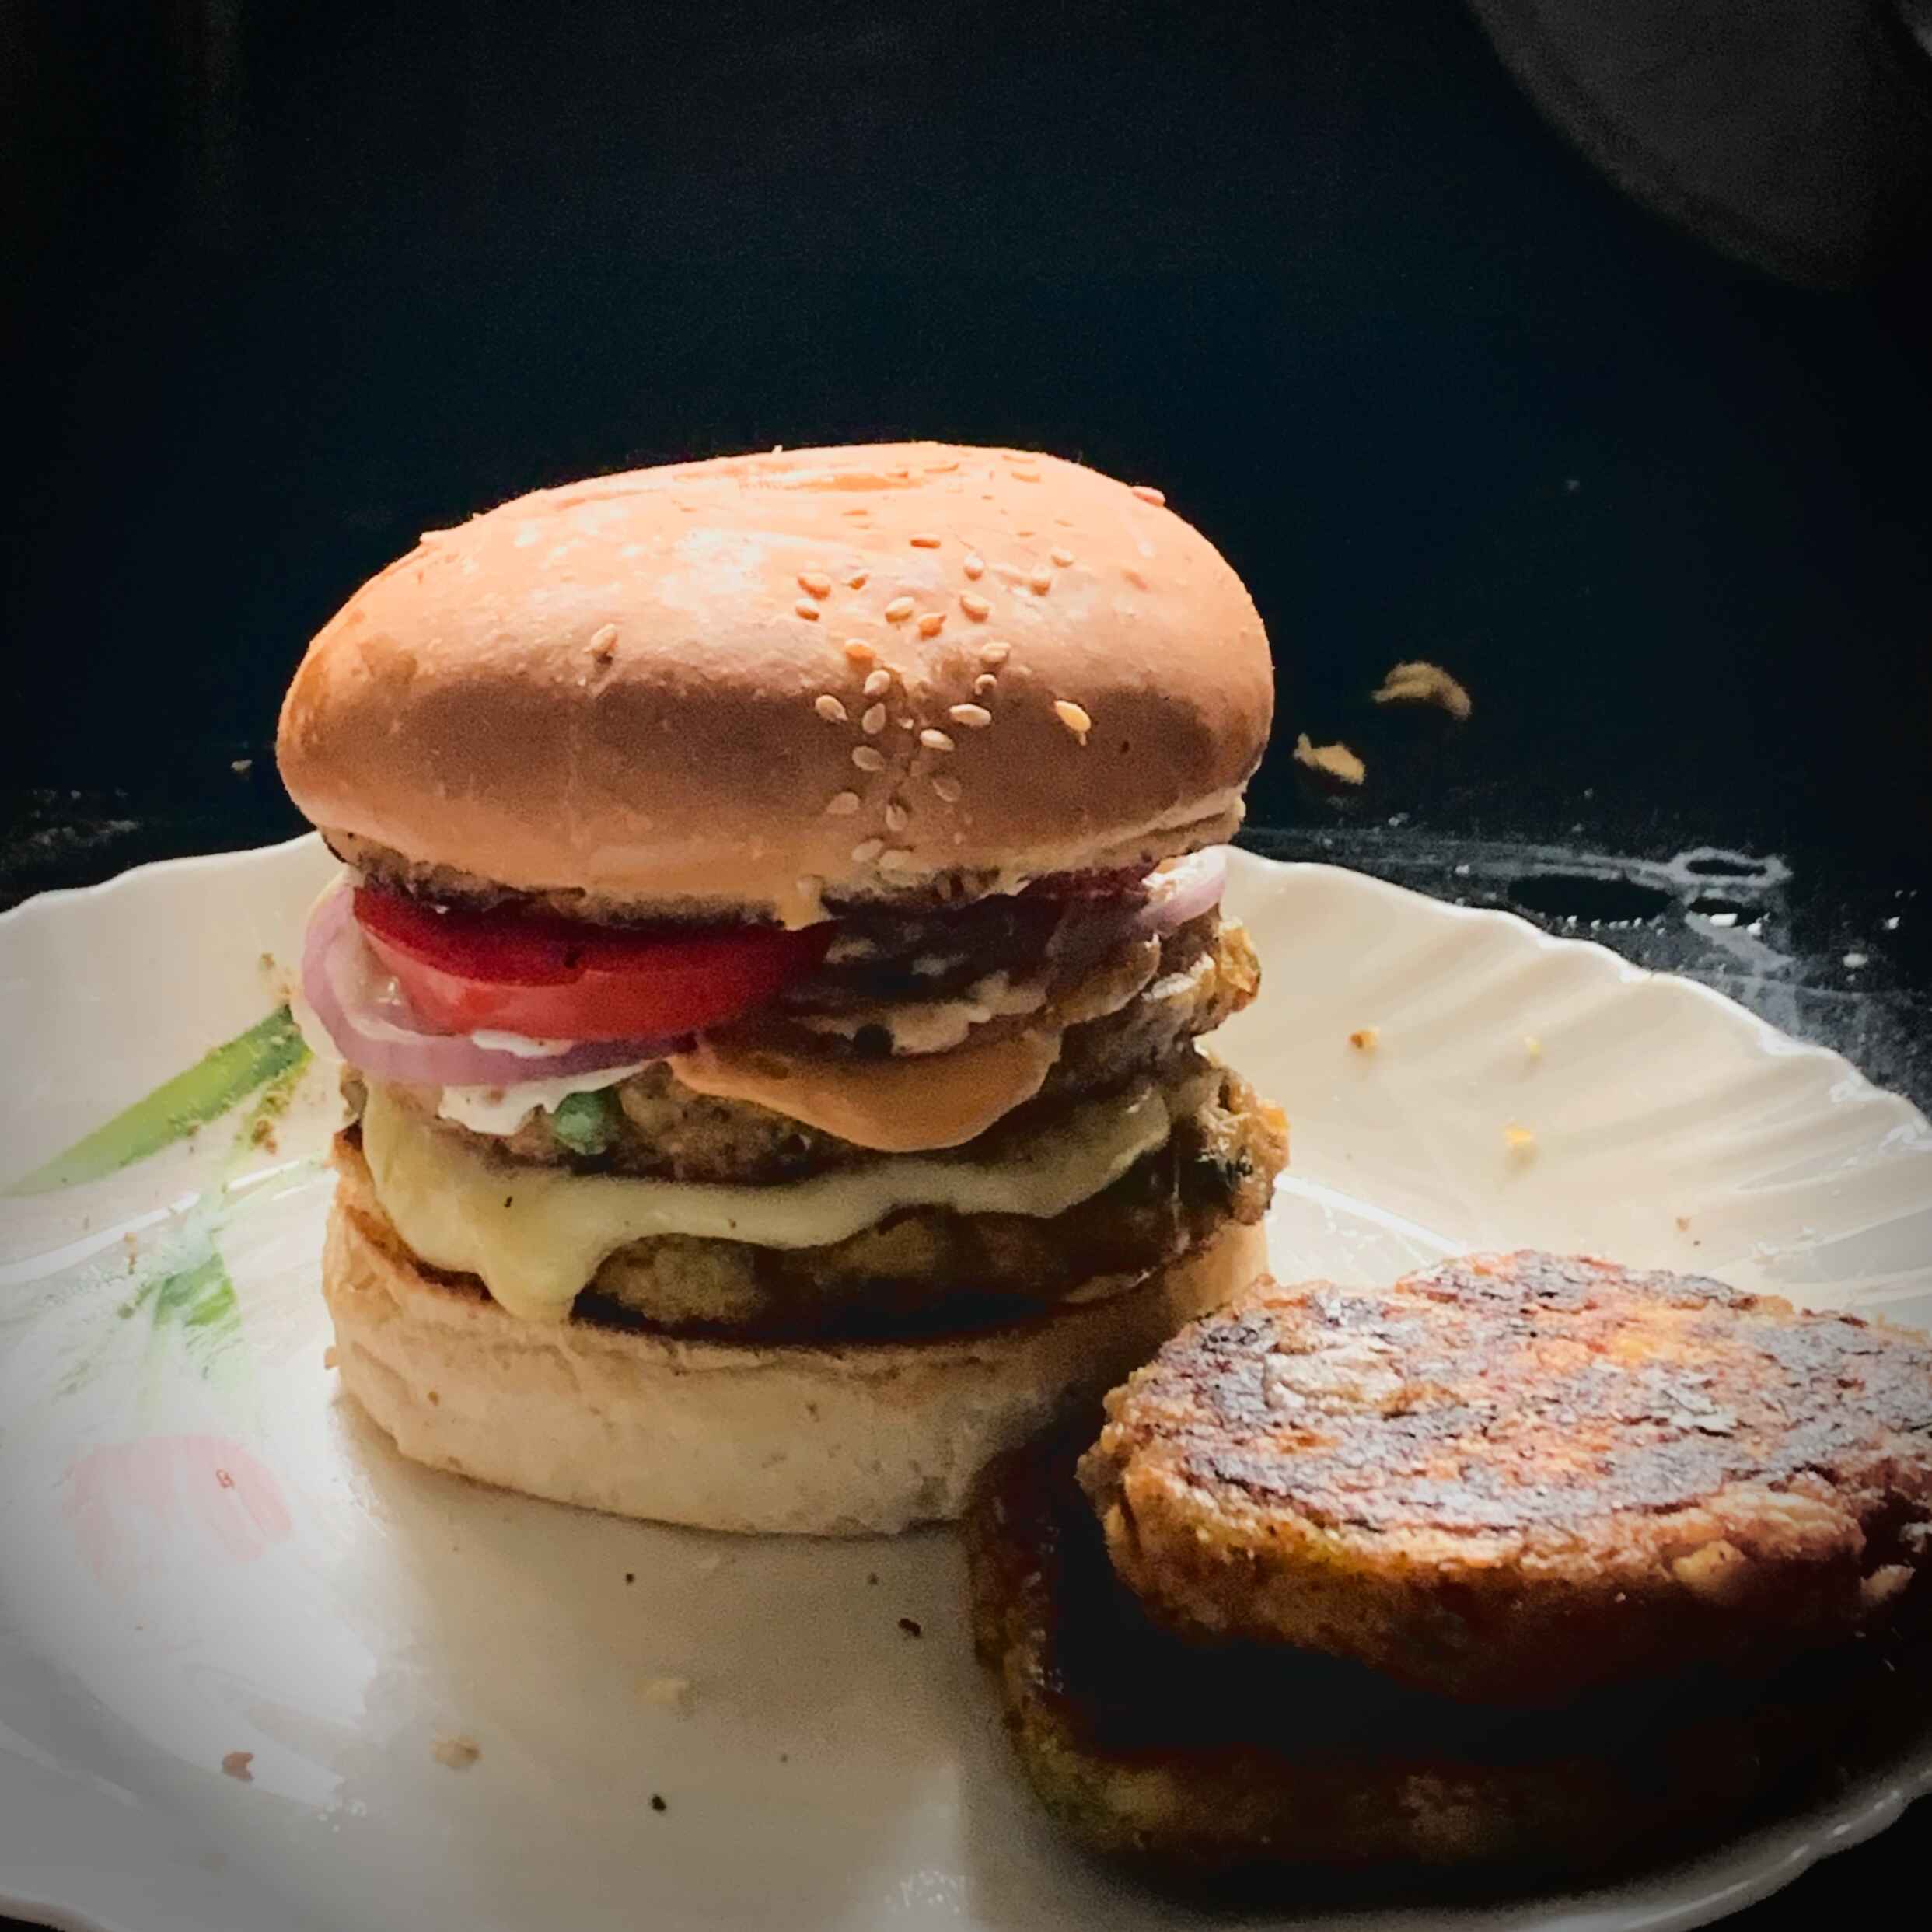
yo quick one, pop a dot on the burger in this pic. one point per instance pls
(781, 911)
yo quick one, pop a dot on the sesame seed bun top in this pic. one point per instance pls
(894, 672)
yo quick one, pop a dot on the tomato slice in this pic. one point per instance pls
(558, 978)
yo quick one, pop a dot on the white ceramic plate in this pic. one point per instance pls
(207, 1551)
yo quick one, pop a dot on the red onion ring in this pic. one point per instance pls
(1091, 927)
(375, 1030)
(1188, 888)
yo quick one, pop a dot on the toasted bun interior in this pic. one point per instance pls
(756, 682)
(826, 1440)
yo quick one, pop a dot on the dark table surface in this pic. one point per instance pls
(294, 285)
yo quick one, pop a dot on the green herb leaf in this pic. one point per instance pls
(585, 1123)
(176, 1108)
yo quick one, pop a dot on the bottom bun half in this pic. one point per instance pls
(810, 1440)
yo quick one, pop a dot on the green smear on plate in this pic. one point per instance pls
(271, 1049)
(199, 1300)
(186, 1299)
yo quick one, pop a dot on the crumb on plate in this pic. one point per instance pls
(675, 1693)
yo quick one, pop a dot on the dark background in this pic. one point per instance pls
(290, 285)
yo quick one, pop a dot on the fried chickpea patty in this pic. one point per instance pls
(1198, 1758)
(1510, 1477)
(932, 1268)
(654, 1126)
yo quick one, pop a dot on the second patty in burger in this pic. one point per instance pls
(782, 910)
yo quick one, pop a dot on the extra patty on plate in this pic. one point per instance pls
(1209, 1758)
(1515, 1476)
(1529, 1565)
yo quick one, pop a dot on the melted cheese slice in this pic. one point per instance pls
(535, 1235)
(893, 1106)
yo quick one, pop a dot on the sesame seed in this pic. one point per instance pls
(1148, 494)
(806, 608)
(1060, 556)
(974, 606)
(932, 623)
(1026, 476)
(859, 651)
(874, 721)
(604, 643)
(897, 818)
(898, 862)
(994, 655)
(878, 683)
(925, 540)
(1075, 719)
(866, 851)
(974, 565)
(858, 580)
(828, 708)
(1041, 581)
(932, 740)
(841, 805)
(906, 724)
(814, 583)
(974, 717)
(867, 759)
(948, 788)
(899, 610)
(984, 682)
(860, 510)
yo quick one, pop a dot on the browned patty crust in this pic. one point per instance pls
(930, 1268)
(1207, 973)
(1512, 1476)
(1208, 1756)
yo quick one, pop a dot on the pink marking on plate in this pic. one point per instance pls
(133, 1505)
